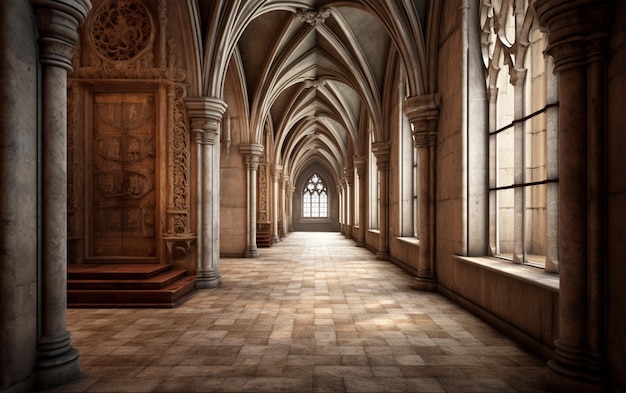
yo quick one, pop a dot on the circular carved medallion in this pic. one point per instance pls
(121, 30)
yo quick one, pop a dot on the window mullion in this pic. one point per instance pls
(519, 169)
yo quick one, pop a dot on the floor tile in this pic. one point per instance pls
(313, 314)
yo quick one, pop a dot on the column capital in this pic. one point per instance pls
(205, 115)
(252, 153)
(359, 164)
(276, 172)
(381, 151)
(578, 30)
(58, 22)
(348, 174)
(423, 114)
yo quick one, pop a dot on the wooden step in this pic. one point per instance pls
(154, 282)
(128, 285)
(109, 271)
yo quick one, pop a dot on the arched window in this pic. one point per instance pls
(523, 124)
(315, 198)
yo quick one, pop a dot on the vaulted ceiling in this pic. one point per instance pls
(315, 74)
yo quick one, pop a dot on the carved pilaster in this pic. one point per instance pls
(423, 114)
(381, 151)
(578, 37)
(57, 23)
(252, 155)
(206, 114)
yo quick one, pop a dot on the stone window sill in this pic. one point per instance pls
(529, 274)
(410, 240)
(315, 220)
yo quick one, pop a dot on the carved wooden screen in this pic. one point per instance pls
(122, 180)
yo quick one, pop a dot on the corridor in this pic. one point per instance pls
(313, 314)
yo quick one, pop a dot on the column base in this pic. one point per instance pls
(203, 283)
(57, 370)
(382, 255)
(560, 379)
(425, 284)
(251, 253)
(574, 371)
(360, 243)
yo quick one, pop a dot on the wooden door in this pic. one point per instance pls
(122, 174)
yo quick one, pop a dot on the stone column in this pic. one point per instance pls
(381, 151)
(423, 113)
(349, 176)
(292, 190)
(578, 39)
(276, 172)
(252, 153)
(206, 114)
(343, 209)
(283, 202)
(57, 24)
(359, 164)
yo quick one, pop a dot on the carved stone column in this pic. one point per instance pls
(252, 154)
(292, 189)
(57, 23)
(341, 192)
(578, 39)
(284, 184)
(359, 164)
(205, 115)
(381, 151)
(349, 176)
(276, 173)
(423, 113)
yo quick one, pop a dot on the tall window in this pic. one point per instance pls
(374, 186)
(523, 123)
(408, 179)
(315, 198)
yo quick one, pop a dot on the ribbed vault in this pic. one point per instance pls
(314, 71)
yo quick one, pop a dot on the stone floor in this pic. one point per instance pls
(313, 314)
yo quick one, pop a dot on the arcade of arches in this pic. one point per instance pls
(474, 144)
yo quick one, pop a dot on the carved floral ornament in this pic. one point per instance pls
(121, 30)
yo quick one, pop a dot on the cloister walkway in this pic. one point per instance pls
(313, 314)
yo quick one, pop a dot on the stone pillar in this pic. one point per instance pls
(283, 202)
(276, 173)
(381, 151)
(206, 114)
(578, 40)
(340, 199)
(57, 24)
(252, 153)
(349, 176)
(359, 164)
(292, 190)
(423, 113)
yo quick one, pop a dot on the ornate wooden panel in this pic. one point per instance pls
(123, 216)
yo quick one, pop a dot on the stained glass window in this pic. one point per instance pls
(315, 198)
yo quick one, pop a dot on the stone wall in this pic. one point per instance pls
(616, 201)
(18, 205)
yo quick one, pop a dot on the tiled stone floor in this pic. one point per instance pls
(313, 314)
